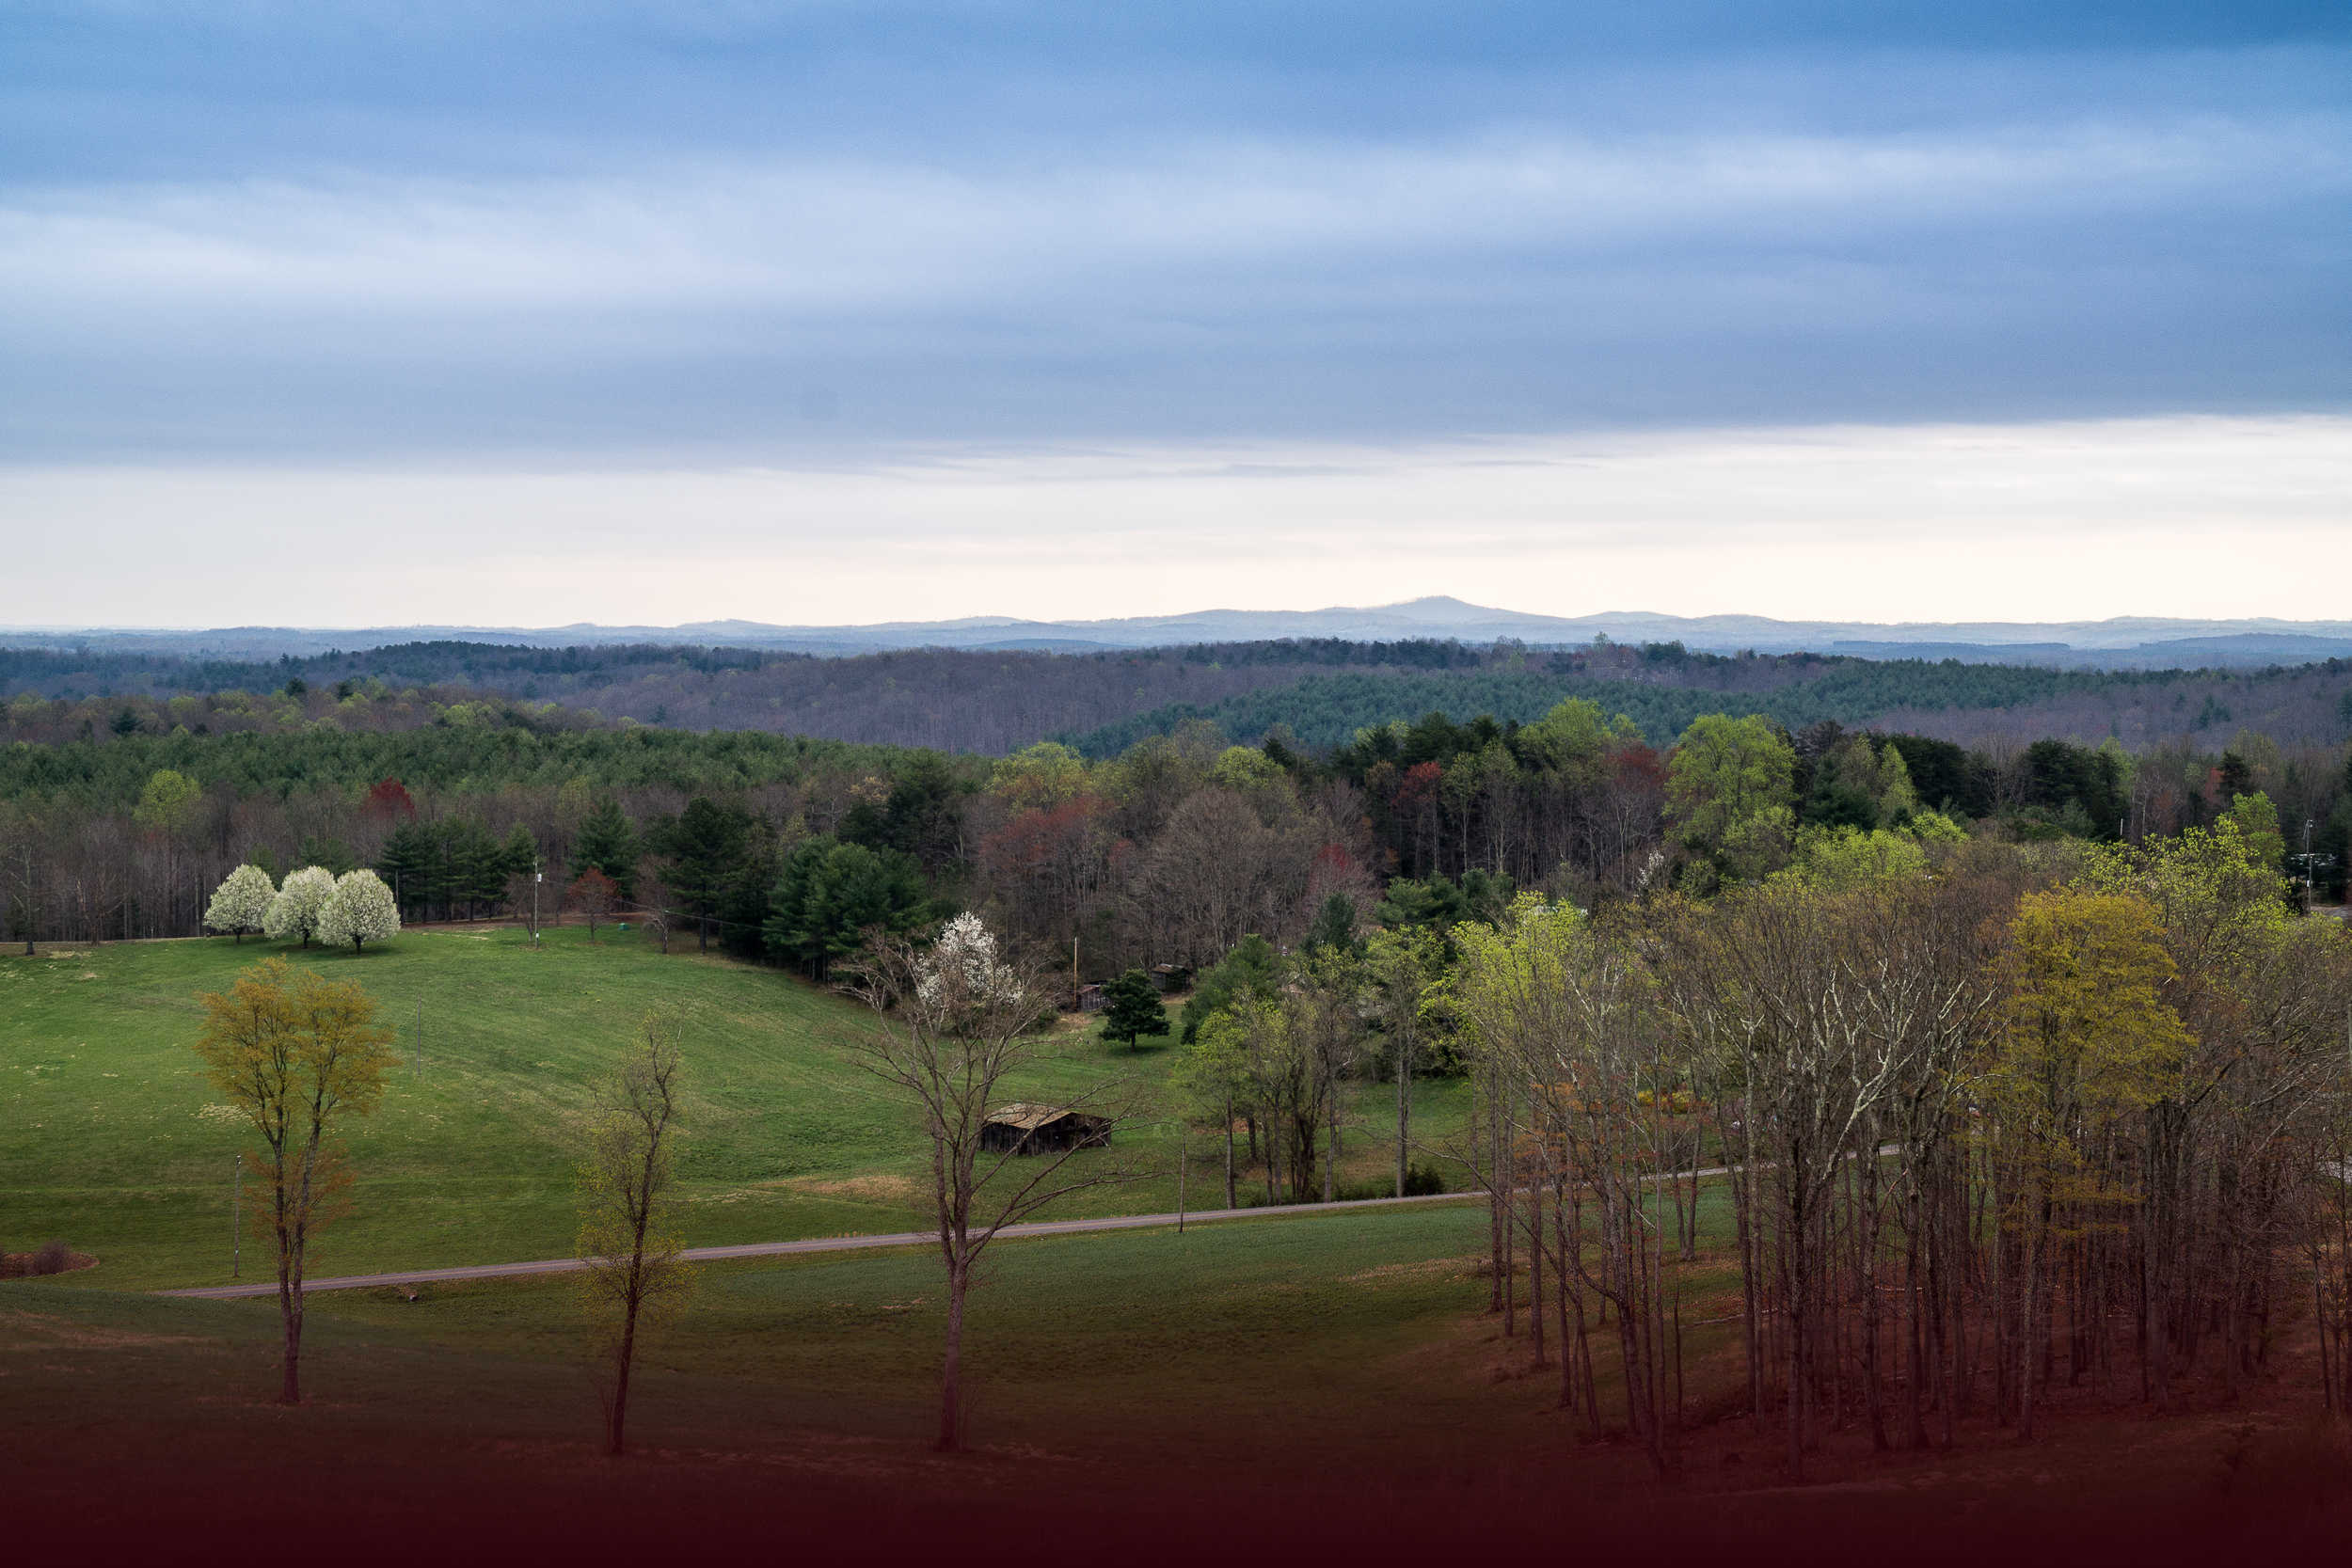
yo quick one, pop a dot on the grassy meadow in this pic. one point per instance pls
(112, 1141)
(1259, 1344)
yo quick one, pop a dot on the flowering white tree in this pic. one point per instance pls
(360, 909)
(294, 912)
(241, 902)
(952, 1023)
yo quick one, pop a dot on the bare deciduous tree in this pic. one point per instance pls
(636, 1277)
(952, 1023)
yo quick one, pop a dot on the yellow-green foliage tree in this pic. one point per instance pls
(296, 1055)
(166, 808)
(2088, 1043)
(1039, 777)
(1732, 794)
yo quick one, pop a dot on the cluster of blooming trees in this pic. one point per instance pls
(314, 903)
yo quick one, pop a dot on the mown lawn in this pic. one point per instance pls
(1242, 1338)
(112, 1141)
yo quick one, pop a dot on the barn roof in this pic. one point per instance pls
(1030, 1118)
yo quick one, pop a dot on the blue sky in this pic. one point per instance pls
(786, 271)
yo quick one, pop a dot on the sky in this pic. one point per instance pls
(372, 314)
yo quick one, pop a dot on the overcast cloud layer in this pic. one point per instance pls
(790, 270)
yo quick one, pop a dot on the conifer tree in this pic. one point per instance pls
(607, 843)
(1132, 1009)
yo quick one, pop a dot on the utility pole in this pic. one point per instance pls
(1183, 1154)
(236, 1220)
(535, 880)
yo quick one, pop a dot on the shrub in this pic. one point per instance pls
(56, 1257)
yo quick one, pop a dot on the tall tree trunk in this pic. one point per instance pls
(1331, 1150)
(1867, 1246)
(1403, 1054)
(1494, 1202)
(1536, 1272)
(1915, 1341)
(951, 1363)
(290, 1311)
(624, 1359)
(1232, 1201)
(1798, 1307)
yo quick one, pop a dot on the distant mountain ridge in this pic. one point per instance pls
(2125, 642)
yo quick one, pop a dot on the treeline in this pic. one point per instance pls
(122, 838)
(989, 702)
(466, 748)
(2310, 703)
(1169, 852)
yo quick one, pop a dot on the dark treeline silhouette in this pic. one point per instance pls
(1662, 689)
(1320, 690)
(950, 699)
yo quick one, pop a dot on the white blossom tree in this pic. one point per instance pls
(242, 902)
(294, 912)
(359, 910)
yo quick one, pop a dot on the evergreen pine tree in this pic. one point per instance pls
(405, 865)
(607, 843)
(706, 848)
(1132, 1008)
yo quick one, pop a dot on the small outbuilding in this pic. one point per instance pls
(1044, 1130)
(1171, 978)
(1089, 999)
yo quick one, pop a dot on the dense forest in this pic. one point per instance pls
(118, 816)
(987, 703)
(1663, 689)
(1319, 691)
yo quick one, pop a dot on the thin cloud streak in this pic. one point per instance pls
(840, 234)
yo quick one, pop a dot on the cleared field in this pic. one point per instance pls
(111, 1139)
(1269, 1347)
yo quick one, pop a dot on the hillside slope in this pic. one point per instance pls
(113, 1141)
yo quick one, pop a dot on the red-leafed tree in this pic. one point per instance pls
(389, 799)
(1335, 870)
(1049, 867)
(593, 894)
(1418, 794)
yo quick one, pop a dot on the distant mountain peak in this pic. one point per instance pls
(2142, 640)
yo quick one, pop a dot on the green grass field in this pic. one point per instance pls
(113, 1141)
(1236, 1343)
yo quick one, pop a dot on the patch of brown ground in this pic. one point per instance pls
(1466, 1267)
(896, 1190)
(28, 1265)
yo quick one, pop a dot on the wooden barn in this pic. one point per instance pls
(1044, 1130)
